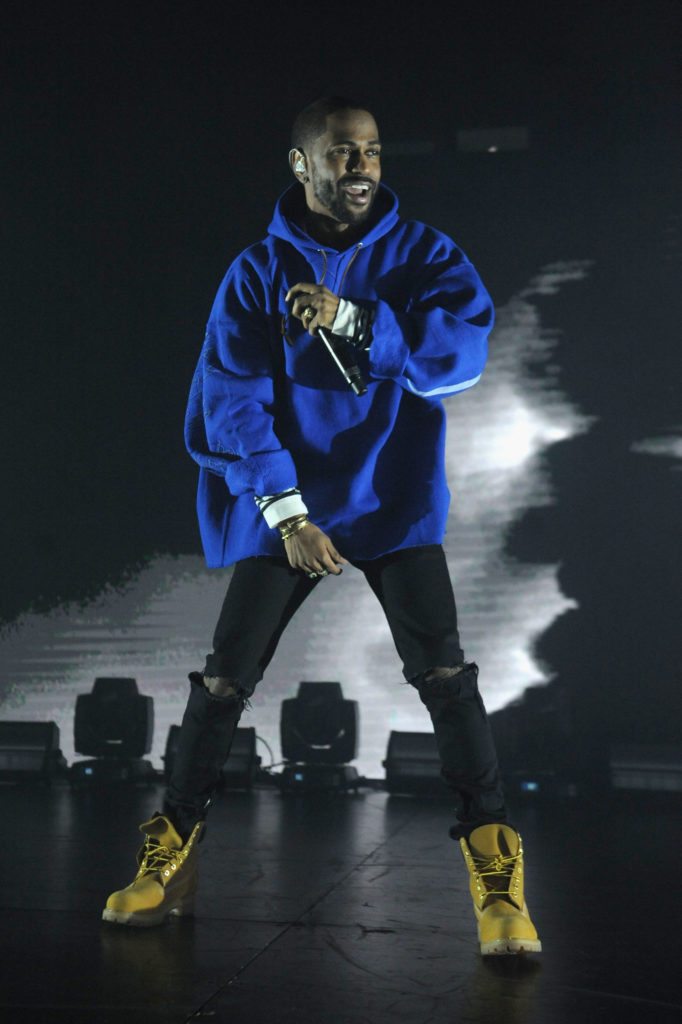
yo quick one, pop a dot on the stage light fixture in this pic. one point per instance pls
(646, 768)
(319, 731)
(413, 765)
(239, 771)
(29, 751)
(534, 741)
(114, 725)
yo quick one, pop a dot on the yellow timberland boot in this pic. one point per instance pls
(494, 857)
(166, 881)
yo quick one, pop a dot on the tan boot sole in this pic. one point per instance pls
(150, 918)
(510, 947)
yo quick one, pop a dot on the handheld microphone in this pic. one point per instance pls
(343, 354)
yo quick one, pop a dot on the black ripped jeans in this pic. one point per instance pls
(414, 589)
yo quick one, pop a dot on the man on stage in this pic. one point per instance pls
(300, 476)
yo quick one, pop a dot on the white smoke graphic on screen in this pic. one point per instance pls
(159, 626)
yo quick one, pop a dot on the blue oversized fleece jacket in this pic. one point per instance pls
(268, 409)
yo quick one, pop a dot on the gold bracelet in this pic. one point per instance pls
(288, 523)
(285, 535)
(294, 528)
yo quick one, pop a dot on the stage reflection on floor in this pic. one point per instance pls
(342, 910)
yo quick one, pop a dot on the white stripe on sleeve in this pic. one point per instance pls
(450, 389)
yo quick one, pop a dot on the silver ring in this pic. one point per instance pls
(312, 575)
(325, 572)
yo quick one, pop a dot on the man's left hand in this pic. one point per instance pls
(317, 298)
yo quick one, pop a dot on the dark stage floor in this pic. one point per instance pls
(338, 910)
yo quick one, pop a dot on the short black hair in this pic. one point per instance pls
(312, 120)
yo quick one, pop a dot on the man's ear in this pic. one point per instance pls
(298, 164)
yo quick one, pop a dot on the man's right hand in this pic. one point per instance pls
(311, 550)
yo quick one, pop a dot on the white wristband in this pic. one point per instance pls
(291, 505)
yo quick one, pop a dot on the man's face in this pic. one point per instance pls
(344, 167)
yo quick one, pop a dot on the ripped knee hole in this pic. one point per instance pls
(450, 682)
(441, 672)
(219, 686)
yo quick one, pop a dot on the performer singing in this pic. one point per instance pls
(300, 476)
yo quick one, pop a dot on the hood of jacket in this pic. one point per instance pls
(290, 208)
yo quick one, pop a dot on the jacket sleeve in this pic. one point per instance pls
(436, 344)
(229, 425)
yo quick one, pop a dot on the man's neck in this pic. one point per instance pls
(328, 231)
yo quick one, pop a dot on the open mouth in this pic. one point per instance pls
(359, 192)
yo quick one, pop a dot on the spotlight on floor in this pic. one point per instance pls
(412, 764)
(113, 725)
(29, 751)
(319, 732)
(239, 772)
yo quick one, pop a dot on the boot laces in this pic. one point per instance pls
(499, 867)
(155, 857)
